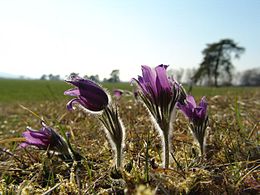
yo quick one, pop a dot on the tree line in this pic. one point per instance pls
(216, 68)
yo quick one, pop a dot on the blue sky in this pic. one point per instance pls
(94, 37)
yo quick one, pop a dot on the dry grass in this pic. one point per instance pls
(231, 165)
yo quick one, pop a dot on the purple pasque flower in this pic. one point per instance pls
(45, 138)
(154, 83)
(196, 114)
(40, 139)
(118, 93)
(160, 94)
(88, 94)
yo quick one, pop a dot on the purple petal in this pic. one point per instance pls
(203, 103)
(95, 105)
(71, 102)
(32, 140)
(95, 98)
(37, 134)
(141, 84)
(90, 95)
(149, 78)
(118, 93)
(162, 81)
(186, 110)
(72, 92)
(198, 113)
(163, 66)
(191, 101)
(23, 145)
(82, 83)
(93, 93)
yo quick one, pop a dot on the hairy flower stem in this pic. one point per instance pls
(118, 157)
(202, 147)
(166, 128)
(166, 150)
(115, 132)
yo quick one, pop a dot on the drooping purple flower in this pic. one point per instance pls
(90, 95)
(118, 93)
(196, 114)
(45, 138)
(41, 139)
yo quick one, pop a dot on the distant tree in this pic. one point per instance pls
(56, 77)
(251, 77)
(53, 77)
(43, 77)
(114, 76)
(50, 76)
(94, 78)
(217, 61)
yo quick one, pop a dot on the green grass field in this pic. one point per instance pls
(231, 166)
(41, 90)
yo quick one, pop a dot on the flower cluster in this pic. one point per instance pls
(161, 95)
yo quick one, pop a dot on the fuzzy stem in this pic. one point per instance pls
(201, 148)
(166, 150)
(200, 139)
(118, 157)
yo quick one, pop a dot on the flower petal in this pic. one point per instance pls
(140, 83)
(94, 105)
(118, 93)
(71, 102)
(162, 81)
(203, 103)
(72, 92)
(191, 101)
(23, 145)
(30, 140)
(81, 83)
(149, 79)
(185, 109)
(198, 113)
(92, 96)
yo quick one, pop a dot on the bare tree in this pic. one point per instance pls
(217, 61)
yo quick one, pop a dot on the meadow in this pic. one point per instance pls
(231, 164)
